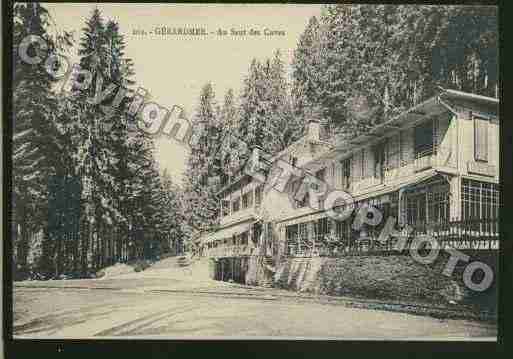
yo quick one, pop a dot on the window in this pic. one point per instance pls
(293, 161)
(343, 229)
(322, 228)
(269, 235)
(480, 205)
(296, 186)
(438, 204)
(236, 204)
(480, 200)
(325, 131)
(480, 139)
(379, 160)
(303, 231)
(304, 202)
(424, 139)
(416, 208)
(225, 206)
(224, 179)
(406, 142)
(429, 204)
(321, 176)
(291, 233)
(345, 175)
(258, 195)
(250, 198)
(362, 169)
(244, 239)
(257, 231)
(247, 200)
(394, 152)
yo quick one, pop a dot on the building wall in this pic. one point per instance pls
(454, 139)
(400, 158)
(241, 214)
(275, 204)
(485, 171)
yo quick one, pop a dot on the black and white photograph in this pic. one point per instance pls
(254, 171)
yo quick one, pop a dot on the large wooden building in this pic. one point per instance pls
(434, 167)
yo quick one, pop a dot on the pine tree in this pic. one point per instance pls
(285, 127)
(377, 60)
(306, 69)
(229, 154)
(35, 145)
(204, 162)
(252, 121)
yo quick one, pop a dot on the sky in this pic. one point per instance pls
(174, 68)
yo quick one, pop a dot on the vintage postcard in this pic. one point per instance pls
(237, 171)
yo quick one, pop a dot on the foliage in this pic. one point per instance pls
(84, 176)
(364, 63)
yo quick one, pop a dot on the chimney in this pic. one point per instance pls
(253, 165)
(313, 130)
(314, 126)
(256, 153)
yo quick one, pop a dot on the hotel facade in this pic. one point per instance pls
(434, 167)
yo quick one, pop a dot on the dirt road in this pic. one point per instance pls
(166, 303)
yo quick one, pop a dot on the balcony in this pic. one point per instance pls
(239, 216)
(469, 235)
(439, 157)
(235, 250)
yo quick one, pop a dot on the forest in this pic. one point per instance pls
(89, 185)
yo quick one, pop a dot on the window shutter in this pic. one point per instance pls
(480, 139)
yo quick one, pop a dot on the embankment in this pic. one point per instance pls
(390, 277)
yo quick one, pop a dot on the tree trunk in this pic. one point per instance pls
(23, 245)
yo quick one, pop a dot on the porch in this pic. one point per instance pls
(426, 209)
(482, 235)
(245, 239)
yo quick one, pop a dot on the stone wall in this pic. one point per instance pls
(393, 277)
(257, 272)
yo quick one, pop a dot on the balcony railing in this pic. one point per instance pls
(233, 250)
(439, 157)
(475, 234)
(237, 216)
